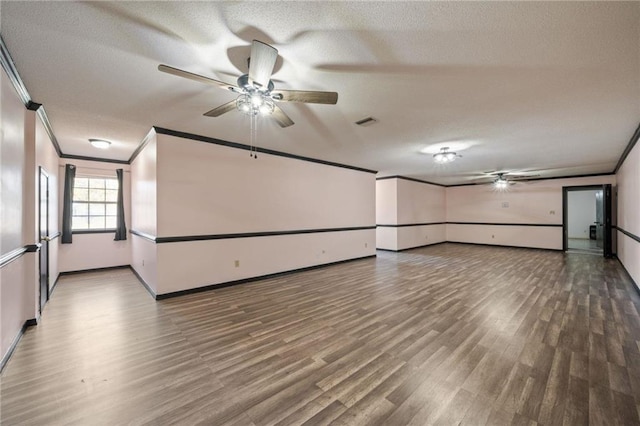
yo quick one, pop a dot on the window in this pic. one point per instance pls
(94, 204)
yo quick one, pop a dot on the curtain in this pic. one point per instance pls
(121, 228)
(67, 207)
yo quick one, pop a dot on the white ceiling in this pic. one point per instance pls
(548, 87)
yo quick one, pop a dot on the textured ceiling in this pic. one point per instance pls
(552, 88)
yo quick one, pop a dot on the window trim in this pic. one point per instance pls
(105, 203)
(94, 231)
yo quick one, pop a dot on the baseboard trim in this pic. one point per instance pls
(411, 248)
(5, 359)
(507, 246)
(253, 279)
(143, 282)
(404, 225)
(83, 271)
(473, 244)
(633, 282)
(53, 287)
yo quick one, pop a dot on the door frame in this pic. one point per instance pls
(43, 294)
(606, 207)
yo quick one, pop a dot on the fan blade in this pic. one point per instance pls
(305, 96)
(262, 60)
(523, 177)
(217, 112)
(197, 77)
(281, 117)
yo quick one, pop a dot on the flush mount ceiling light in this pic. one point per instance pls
(445, 156)
(100, 143)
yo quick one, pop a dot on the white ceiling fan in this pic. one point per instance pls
(256, 92)
(502, 179)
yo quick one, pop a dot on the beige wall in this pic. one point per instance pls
(387, 201)
(484, 211)
(144, 187)
(413, 205)
(386, 213)
(18, 279)
(420, 202)
(47, 158)
(211, 189)
(628, 178)
(204, 189)
(534, 202)
(91, 251)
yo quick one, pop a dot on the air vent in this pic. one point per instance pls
(366, 121)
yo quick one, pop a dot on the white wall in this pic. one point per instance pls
(98, 250)
(387, 201)
(212, 189)
(386, 213)
(420, 202)
(581, 206)
(628, 178)
(208, 189)
(534, 202)
(47, 158)
(408, 206)
(17, 285)
(144, 185)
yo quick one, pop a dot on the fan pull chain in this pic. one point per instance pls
(251, 125)
(254, 136)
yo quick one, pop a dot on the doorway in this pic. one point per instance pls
(587, 219)
(43, 221)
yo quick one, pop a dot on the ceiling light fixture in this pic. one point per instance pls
(501, 182)
(255, 103)
(100, 143)
(445, 156)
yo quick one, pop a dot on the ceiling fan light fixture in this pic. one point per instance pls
(501, 183)
(100, 143)
(256, 100)
(267, 107)
(444, 156)
(254, 104)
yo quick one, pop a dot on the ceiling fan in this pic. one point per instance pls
(257, 93)
(502, 179)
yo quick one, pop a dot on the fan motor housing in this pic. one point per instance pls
(249, 86)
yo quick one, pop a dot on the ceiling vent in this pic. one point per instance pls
(366, 121)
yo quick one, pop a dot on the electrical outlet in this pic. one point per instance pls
(322, 251)
(142, 262)
(237, 263)
(493, 236)
(552, 212)
(366, 245)
(426, 237)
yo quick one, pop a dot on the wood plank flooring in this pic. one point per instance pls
(444, 335)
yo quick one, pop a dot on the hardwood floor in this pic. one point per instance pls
(448, 334)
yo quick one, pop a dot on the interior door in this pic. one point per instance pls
(607, 231)
(43, 221)
(599, 219)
